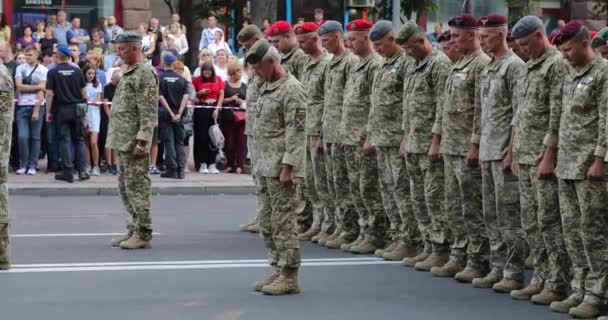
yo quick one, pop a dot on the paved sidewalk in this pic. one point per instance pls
(195, 184)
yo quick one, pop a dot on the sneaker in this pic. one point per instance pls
(96, 171)
(203, 169)
(31, 171)
(21, 171)
(87, 169)
(154, 170)
(213, 169)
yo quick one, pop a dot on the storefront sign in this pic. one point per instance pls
(38, 2)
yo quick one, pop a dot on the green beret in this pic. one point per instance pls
(248, 32)
(407, 30)
(380, 29)
(257, 51)
(128, 37)
(600, 38)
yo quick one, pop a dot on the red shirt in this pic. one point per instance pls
(214, 88)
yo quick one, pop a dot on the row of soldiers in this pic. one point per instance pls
(460, 168)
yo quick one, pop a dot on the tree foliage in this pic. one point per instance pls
(409, 8)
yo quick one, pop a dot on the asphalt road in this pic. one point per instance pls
(201, 267)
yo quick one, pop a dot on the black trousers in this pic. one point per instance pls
(204, 152)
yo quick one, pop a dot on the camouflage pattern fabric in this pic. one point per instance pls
(7, 89)
(295, 62)
(316, 183)
(348, 216)
(253, 93)
(331, 211)
(338, 70)
(313, 79)
(134, 188)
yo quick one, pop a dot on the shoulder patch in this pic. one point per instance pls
(300, 120)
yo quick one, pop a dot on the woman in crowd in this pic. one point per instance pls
(148, 43)
(39, 34)
(5, 29)
(48, 43)
(233, 121)
(181, 43)
(219, 43)
(20, 58)
(26, 40)
(94, 93)
(209, 92)
(221, 64)
(183, 71)
(204, 56)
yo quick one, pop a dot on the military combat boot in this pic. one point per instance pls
(116, 241)
(338, 242)
(260, 284)
(411, 262)
(244, 227)
(526, 293)
(546, 297)
(400, 252)
(468, 274)
(434, 260)
(585, 310)
(135, 242)
(530, 263)
(286, 283)
(448, 270)
(307, 236)
(488, 281)
(322, 236)
(507, 285)
(332, 236)
(346, 247)
(564, 306)
(364, 247)
(254, 228)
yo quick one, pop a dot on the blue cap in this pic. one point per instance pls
(169, 57)
(64, 50)
(330, 26)
(526, 26)
(380, 29)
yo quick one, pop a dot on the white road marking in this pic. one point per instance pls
(60, 235)
(182, 265)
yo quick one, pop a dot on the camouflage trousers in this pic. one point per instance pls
(364, 189)
(503, 220)
(331, 211)
(316, 184)
(427, 189)
(250, 147)
(583, 206)
(397, 197)
(277, 220)
(348, 216)
(542, 225)
(6, 128)
(134, 190)
(464, 211)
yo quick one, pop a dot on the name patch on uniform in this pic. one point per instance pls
(300, 120)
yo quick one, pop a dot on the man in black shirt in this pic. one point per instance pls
(173, 99)
(65, 90)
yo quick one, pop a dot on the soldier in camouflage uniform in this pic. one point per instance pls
(462, 174)
(384, 135)
(422, 104)
(134, 116)
(247, 37)
(580, 168)
(7, 89)
(294, 60)
(362, 168)
(280, 141)
(313, 78)
(344, 216)
(498, 97)
(535, 126)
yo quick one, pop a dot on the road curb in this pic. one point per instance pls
(192, 190)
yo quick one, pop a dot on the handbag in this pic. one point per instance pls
(239, 117)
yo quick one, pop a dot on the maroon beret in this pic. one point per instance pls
(445, 36)
(492, 20)
(359, 25)
(465, 21)
(306, 27)
(278, 28)
(568, 32)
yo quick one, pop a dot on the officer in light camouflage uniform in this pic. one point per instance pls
(294, 60)
(7, 89)
(362, 168)
(423, 91)
(384, 133)
(344, 216)
(463, 207)
(134, 116)
(580, 168)
(313, 78)
(536, 125)
(280, 137)
(498, 95)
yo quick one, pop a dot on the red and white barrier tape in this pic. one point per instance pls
(99, 103)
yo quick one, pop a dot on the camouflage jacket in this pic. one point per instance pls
(385, 117)
(295, 61)
(134, 108)
(498, 104)
(357, 101)
(582, 129)
(7, 89)
(423, 90)
(251, 100)
(461, 116)
(536, 122)
(336, 74)
(279, 127)
(313, 79)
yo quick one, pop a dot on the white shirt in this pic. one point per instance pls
(214, 47)
(222, 73)
(93, 92)
(24, 70)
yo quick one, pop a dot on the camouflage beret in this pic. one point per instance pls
(257, 51)
(128, 37)
(526, 26)
(330, 26)
(407, 30)
(248, 32)
(380, 29)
